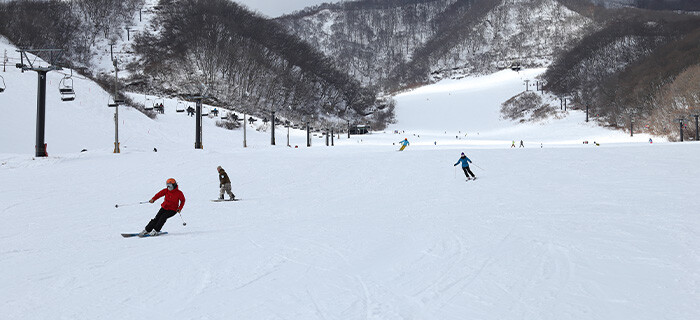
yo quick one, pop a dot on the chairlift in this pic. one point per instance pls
(146, 104)
(205, 111)
(224, 115)
(516, 66)
(65, 88)
(2, 84)
(180, 107)
(159, 105)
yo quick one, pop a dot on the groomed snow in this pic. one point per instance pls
(356, 231)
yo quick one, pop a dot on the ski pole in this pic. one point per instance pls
(183, 220)
(478, 167)
(129, 204)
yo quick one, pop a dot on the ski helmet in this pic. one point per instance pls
(171, 180)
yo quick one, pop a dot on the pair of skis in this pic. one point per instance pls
(129, 235)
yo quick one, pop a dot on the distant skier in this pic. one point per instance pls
(172, 204)
(650, 141)
(521, 144)
(190, 111)
(465, 166)
(404, 143)
(513, 145)
(224, 184)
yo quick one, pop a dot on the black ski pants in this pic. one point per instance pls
(158, 222)
(467, 172)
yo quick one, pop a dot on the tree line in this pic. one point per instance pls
(639, 66)
(251, 64)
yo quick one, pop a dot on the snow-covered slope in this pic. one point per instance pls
(88, 123)
(356, 231)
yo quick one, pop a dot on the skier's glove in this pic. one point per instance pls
(150, 201)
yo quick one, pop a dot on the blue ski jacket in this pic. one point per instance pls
(464, 162)
(404, 142)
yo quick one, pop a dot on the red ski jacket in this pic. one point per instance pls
(172, 198)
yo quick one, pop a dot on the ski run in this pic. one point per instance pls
(556, 229)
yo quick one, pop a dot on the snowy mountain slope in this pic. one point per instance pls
(87, 122)
(431, 40)
(467, 112)
(368, 42)
(524, 31)
(358, 231)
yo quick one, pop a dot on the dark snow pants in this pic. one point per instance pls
(158, 222)
(467, 172)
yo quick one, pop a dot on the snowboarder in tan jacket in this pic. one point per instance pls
(224, 184)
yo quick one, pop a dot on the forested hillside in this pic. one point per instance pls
(400, 43)
(642, 65)
(250, 63)
(247, 62)
(624, 58)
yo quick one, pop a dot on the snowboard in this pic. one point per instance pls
(222, 200)
(129, 235)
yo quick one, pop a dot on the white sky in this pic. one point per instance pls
(276, 8)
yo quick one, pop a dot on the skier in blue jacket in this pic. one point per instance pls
(403, 144)
(465, 166)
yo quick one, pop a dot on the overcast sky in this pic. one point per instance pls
(276, 8)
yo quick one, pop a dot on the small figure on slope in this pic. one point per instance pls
(465, 166)
(172, 204)
(513, 145)
(224, 184)
(404, 143)
(521, 144)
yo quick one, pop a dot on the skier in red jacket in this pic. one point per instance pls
(172, 204)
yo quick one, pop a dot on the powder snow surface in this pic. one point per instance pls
(355, 231)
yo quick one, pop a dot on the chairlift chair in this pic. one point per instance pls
(180, 107)
(65, 88)
(2, 84)
(516, 66)
(157, 105)
(205, 111)
(224, 115)
(146, 104)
